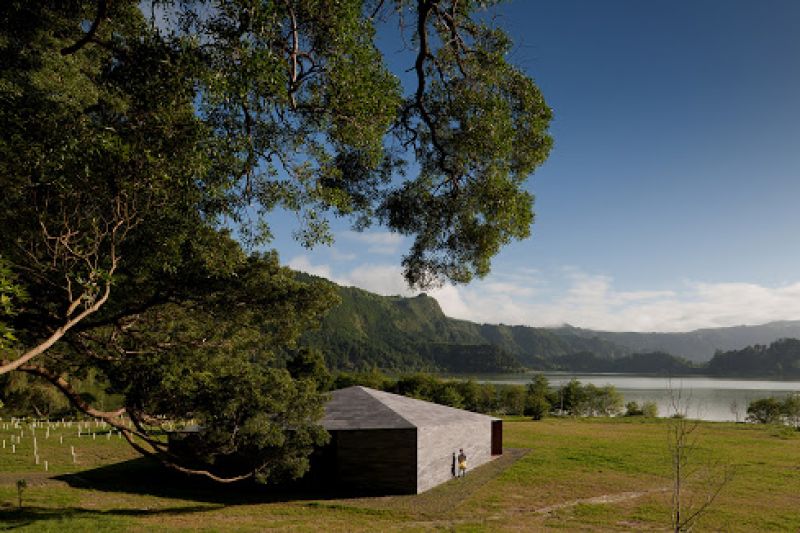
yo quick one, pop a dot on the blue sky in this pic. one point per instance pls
(670, 200)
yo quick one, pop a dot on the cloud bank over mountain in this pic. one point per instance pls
(569, 295)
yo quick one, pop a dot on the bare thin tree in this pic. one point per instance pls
(735, 411)
(696, 480)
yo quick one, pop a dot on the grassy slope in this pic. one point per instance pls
(569, 462)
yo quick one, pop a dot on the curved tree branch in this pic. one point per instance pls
(102, 10)
(72, 395)
(178, 468)
(8, 366)
(157, 450)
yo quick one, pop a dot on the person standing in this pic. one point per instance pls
(462, 463)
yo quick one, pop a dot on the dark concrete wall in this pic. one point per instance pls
(381, 461)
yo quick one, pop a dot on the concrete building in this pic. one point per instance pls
(385, 443)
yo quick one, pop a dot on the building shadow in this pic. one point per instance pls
(143, 476)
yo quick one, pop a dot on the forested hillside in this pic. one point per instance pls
(698, 345)
(396, 333)
(779, 359)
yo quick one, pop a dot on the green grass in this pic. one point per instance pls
(590, 474)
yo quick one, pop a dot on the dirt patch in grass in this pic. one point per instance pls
(32, 478)
(602, 499)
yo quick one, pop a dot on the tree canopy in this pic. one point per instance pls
(137, 137)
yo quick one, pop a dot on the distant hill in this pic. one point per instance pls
(698, 346)
(780, 359)
(396, 333)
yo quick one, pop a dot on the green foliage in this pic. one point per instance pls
(231, 366)
(24, 395)
(308, 364)
(537, 403)
(133, 149)
(408, 334)
(448, 395)
(512, 400)
(656, 362)
(647, 409)
(373, 379)
(790, 410)
(780, 359)
(536, 400)
(764, 411)
(11, 296)
(588, 400)
(311, 117)
(633, 409)
(421, 386)
(650, 409)
(773, 411)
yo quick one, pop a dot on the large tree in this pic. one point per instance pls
(137, 136)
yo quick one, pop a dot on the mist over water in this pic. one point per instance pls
(707, 398)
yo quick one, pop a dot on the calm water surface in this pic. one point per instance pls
(708, 398)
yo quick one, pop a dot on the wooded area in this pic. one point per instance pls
(145, 146)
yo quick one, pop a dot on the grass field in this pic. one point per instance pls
(586, 474)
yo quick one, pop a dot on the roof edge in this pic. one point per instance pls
(371, 391)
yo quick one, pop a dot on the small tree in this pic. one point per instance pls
(734, 407)
(470, 391)
(512, 400)
(633, 409)
(650, 409)
(447, 394)
(537, 405)
(790, 409)
(21, 486)
(696, 482)
(572, 397)
(764, 411)
(487, 401)
(608, 401)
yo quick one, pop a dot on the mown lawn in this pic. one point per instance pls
(589, 474)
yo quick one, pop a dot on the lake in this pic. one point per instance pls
(708, 398)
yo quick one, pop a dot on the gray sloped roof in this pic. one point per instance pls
(364, 408)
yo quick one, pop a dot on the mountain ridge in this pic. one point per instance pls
(398, 333)
(697, 345)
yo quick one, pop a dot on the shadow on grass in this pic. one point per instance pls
(17, 518)
(145, 477)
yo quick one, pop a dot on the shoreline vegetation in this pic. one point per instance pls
(538, 399)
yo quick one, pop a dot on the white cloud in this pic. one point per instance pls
(377, 242)
(505, 287)
(591, 301)
(381, 279)
(303, 264)
(586, 300)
